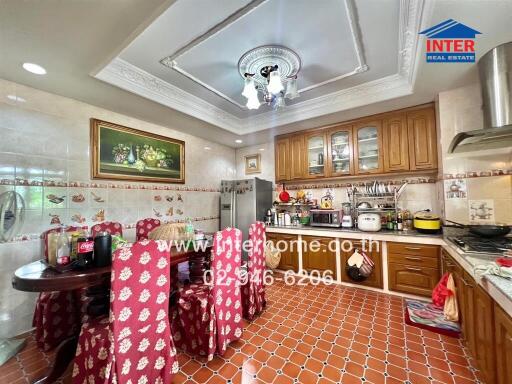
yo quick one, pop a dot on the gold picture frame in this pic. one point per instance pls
(123, 153)
(252, 164)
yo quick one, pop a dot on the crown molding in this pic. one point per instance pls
(133, 79)
(412, 14)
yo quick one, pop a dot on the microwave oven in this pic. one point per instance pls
(326, 217)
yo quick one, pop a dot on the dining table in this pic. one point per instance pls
(37, 276)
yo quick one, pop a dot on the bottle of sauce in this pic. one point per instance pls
(399, 222)
(84, 249)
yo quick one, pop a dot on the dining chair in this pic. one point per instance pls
(133, 344)
(144, 227)
(112, 227)
(209, 315)
(56, 314)
(253, 290)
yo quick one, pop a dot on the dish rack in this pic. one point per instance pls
(383, 198)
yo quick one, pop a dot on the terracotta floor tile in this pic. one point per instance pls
(308, 377)
(291, 370)
(374, 377)
(348, 378)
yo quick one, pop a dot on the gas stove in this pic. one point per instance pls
(481, 245)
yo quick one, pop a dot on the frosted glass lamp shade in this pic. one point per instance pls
(291, 90)
(249, 88)
(253, 102)
(275, 85)
(279, 103)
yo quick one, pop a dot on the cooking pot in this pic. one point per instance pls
(427, 222)
(484, 230)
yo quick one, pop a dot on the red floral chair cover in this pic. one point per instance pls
(134, 345)
(111, 227)
(210, 317)
(56, 315)
(145, 226)
(253, 290)
(55, 318)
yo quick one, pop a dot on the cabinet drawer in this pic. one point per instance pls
(414, 249)
(414, 261)
(413, 280)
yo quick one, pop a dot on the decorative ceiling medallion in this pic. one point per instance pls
(259, 58)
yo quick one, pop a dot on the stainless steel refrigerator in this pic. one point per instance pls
(242, 202)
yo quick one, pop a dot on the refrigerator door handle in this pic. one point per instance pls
(233, 209)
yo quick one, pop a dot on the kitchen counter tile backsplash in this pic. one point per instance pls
(44, 155)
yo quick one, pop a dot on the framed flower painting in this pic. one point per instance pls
(123, 153)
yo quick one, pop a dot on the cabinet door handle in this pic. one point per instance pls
(413, 269)
(413, 258)
(413, 248)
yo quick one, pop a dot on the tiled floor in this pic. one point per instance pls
(314, 334)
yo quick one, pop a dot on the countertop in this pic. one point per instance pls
(498, 287)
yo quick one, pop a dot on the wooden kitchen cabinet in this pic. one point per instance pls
(288, 247)
(282, 159)
(316, 154)
(503, 340)
(340, 151)
(322, 257)
(395, 143)
(413, 268)
(466, 286)
(421, 125)
(347, 248)
(484, 335)
(368, 147)
(298, 154)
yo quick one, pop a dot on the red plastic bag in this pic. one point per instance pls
(441, 292)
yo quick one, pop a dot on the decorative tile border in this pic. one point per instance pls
(35, 236)
(473, 174)
(358, 183)
(418, 180)
(78, 184)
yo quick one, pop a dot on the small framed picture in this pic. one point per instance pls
(252, 164)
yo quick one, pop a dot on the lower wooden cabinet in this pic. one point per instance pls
(466, 287)
(375, 279)
(319, 253)
(288, 246)
(503, 335)
(484, 335)
(414, 280)
(486, 327)
(413, 268)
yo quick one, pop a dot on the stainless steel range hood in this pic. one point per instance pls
(495, 69)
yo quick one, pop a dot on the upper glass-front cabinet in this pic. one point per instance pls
(316, 150)
(368, 147)
(340, 151)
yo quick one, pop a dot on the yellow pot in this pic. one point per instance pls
(427, 222)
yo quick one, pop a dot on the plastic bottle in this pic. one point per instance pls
(63, 248)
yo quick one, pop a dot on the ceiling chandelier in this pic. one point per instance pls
(272, 71)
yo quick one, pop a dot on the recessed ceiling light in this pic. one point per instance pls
(207, 148)
(262, 149)
(34, 68)
(16, 98)
(238, 141)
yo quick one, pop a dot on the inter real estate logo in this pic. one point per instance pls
(450, 42)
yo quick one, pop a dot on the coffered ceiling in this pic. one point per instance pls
(349, 54)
